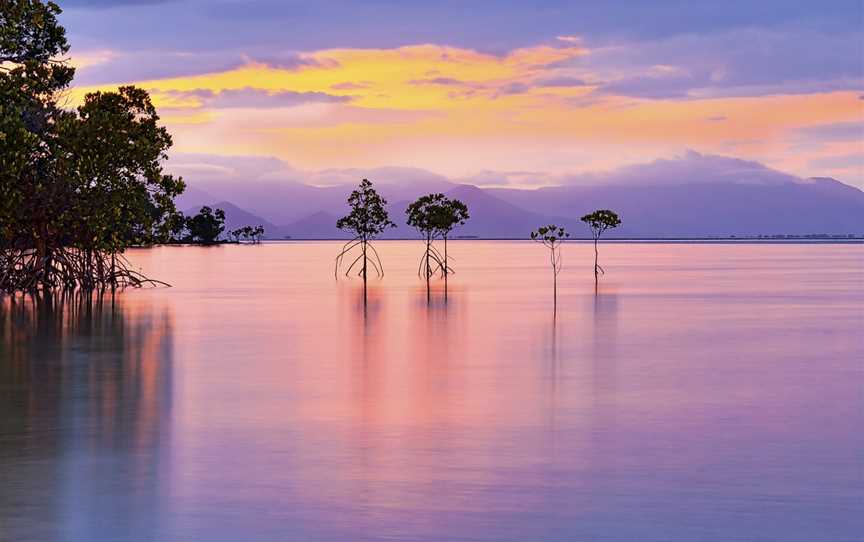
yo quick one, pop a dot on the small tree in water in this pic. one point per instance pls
(600, 221)
(552, 237)
(367, 220)
(424, 216)
(435, 215)
(453, 213)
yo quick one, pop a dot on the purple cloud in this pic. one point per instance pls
(837, 131)
(740, 62)
(149, 65)
(691, 167)
(513, 88)
(259, 99)
(443, 81)
(125, 67)
(288, 61)
(249, 97)
(649, 86)
(844, 161)
(561, 81)
(350, 85)
(507, 178)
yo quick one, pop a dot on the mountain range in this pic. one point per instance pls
(691, 196)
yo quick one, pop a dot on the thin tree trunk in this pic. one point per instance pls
(555, 294)
(428, 248)
(446, 269)
(595, 257)
(554, 280)
(364, 273)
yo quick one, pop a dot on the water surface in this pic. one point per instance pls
(701, 392)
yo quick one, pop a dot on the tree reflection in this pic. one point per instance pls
(84, 403)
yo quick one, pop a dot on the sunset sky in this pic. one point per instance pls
(460, 88)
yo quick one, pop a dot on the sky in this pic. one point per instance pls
(526, 88)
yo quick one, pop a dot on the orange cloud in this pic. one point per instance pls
(459, 111)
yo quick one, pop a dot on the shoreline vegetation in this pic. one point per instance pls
(79, 186)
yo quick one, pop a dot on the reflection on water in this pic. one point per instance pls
(698, 393)
(85, 395)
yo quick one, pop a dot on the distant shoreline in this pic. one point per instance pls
(645, 240)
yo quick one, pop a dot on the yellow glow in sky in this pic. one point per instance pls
(458, 111)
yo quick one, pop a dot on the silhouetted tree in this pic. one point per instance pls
(367, 220)
(453, 213)
(77, 186)
(600, 221)
(552, 237)
(433, 216)
(206, 227)
(248, 233)
(257, 234)
(424, 216)
(114, 149)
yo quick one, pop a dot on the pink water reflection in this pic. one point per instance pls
(704, 392)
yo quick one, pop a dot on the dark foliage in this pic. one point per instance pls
(205, 227)
(598, 222)
(368, 219)
(434, 216)
(252, 234)
(77, 187)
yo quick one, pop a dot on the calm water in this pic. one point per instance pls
(704, 392)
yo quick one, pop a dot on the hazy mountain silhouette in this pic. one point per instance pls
(281, 199)
(235, 217)
(493, 217)
(193, 198)
(320, 225)
(821, 206)
(692, 195)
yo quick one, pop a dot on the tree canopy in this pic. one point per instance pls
(206, 226)
(549, 235)
(436, 215)
(248, 233)
(453, 213)
(601, 220)
(368, 217)
(77, 186)
(433, 216)
(552, 236)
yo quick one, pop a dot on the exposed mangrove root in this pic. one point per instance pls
(432, 262)
(552, 237)
(30, 270)
(366, 255)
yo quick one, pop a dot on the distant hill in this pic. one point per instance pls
(493, 217)
(283, 201)
(693, 195)
(193, 198)
(235, 217)
(717, 208)
(320, 225)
